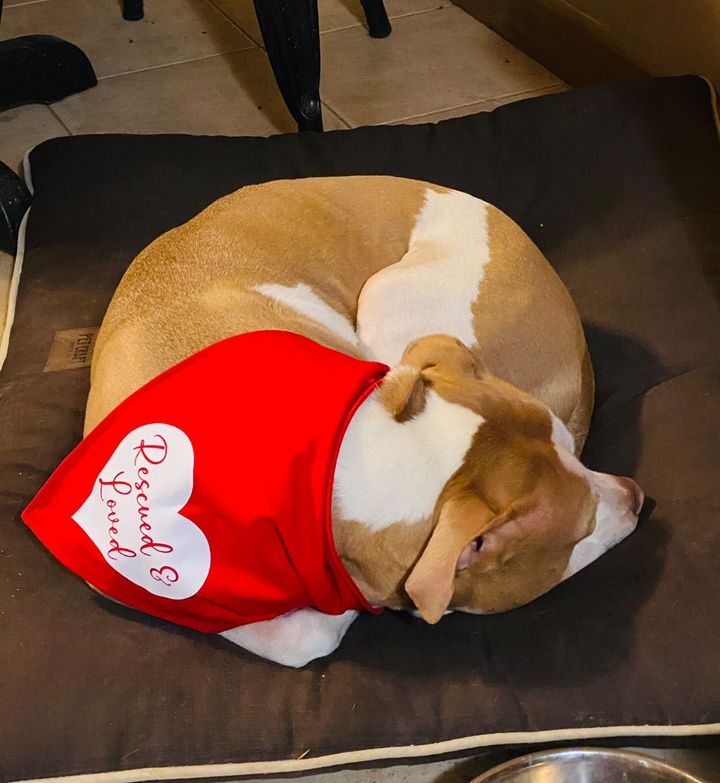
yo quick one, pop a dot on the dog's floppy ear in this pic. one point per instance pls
(462, 519)
(403, 390)
(468, 533)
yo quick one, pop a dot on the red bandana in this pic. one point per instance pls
(205, 497)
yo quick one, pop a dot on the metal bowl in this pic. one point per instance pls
(586, 765)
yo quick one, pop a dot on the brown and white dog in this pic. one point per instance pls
(457, 484)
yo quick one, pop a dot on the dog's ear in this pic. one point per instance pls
(403, 392)
(444, 353)
(468, 533)
(461, 522)
(404, 388)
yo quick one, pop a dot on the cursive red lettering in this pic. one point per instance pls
(121, 487)
(167, 575)
(113, 519)
(154, 546)
(152, 451)
(146, 449)
(116, 549)
(143, 511)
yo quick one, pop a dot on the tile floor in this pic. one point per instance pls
(197, 66)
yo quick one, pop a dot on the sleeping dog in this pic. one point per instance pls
(457, 485)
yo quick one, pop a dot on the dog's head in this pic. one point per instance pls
(521, 513)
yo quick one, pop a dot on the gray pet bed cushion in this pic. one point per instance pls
(620, 187)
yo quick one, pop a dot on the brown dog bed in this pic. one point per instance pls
(620, 187)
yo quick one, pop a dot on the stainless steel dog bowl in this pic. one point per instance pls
(586, 765)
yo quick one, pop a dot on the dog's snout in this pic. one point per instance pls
(636, 497)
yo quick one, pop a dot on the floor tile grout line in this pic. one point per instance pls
(343, 27)
(335, 111)
(481, 102)
(393, 18)
(261, 44)
(327, 106)
(60, 119)
(235, 24)
(534, 91)
(25, 2)
(175, 63)
(358, 23)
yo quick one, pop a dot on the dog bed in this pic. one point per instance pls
(620, 187)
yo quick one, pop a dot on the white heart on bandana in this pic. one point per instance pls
(133, 513)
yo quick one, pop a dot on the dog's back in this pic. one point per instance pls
(301, 254)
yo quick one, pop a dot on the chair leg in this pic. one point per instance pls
(292, 40)
(377, 18)
(15, 198)
(133, 10)
(42, 69)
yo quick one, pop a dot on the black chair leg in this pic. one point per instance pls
(377, 18)
(291, 33)
(133, 10)
(15, 198)
(41, 69)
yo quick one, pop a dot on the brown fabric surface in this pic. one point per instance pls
(620, 187)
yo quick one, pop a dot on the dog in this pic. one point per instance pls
(457, 484)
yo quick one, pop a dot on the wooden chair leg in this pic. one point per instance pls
(377, 18)
(133, 10)
(292, 40)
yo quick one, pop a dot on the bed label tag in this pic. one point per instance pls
(71, 349)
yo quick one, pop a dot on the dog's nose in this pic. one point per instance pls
(636, 497)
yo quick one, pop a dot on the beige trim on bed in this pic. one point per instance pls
(8, 306)
(309, 764)
(26, 171)
(713, 102)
